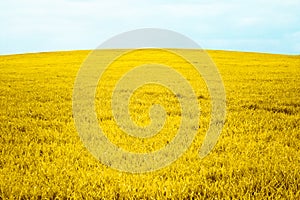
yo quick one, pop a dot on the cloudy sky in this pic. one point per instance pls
(49, 25)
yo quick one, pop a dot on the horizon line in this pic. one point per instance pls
(205, 49)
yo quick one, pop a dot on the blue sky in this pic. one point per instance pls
(49, 25)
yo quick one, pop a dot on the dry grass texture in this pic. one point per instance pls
(257, 155)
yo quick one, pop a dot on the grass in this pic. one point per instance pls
(256, 157)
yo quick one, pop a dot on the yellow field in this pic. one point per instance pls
(257, 155)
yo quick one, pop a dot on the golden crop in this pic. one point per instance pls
(257, 155)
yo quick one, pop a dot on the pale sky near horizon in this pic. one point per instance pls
(49, 25)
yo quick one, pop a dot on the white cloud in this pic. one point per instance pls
(68, 24)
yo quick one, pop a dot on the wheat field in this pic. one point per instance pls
(257, 155)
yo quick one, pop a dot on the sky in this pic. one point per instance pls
(271, 26)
